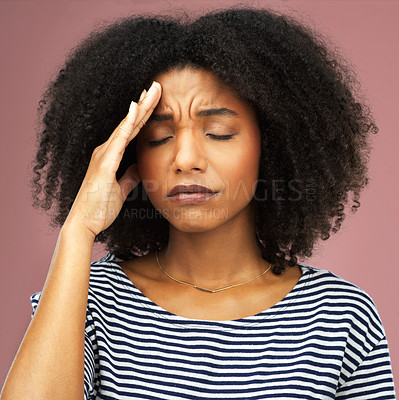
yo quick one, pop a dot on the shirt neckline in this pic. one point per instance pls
(185, 322)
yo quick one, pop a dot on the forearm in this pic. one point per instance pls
(50, 361)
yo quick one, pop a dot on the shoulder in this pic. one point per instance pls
(334, 296)
(328, 283)
(110, 265)
(109, 278)
(105, 273)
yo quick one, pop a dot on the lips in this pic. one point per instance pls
(190, 194)
(189, 189)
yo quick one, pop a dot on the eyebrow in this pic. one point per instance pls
(203, 113)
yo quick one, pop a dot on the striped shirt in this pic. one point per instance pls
(324, 340)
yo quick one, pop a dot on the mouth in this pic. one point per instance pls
(189, 194)
(189, 189)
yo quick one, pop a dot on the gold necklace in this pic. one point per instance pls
(208, 290)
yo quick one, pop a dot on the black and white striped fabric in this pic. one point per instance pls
(324, 340)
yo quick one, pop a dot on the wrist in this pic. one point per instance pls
(78, 231)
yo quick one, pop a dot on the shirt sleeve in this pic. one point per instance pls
(372, 379)
(90, 380)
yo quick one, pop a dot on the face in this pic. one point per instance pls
(200, 133)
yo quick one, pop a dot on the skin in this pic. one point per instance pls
(213, 243)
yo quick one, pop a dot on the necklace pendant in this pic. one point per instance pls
(204, 290)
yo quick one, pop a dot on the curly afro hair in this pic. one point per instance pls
(315, 126)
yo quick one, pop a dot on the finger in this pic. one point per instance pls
(143, 93)
(146, 107)
(126, 130)
(130, 127)
(140, 125)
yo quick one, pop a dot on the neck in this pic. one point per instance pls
(219, 257)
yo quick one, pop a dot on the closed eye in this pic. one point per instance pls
(220, 137)
(154, 143)
(158, 142)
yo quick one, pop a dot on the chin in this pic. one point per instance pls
(195, 221)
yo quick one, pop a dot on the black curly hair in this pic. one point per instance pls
(315, 126)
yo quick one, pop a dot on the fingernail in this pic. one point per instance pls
(131, 107)
(151, 90)
(142, 95)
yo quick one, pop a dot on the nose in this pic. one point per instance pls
(189, 156)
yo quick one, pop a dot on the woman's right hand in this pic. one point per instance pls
(101, 196)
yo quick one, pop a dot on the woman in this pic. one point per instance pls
(237, 160)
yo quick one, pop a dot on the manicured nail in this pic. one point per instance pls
(131, 108)
(151, 89)
(142, 95)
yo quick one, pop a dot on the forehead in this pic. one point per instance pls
(188, 88)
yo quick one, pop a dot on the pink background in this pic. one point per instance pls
(34, 39)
